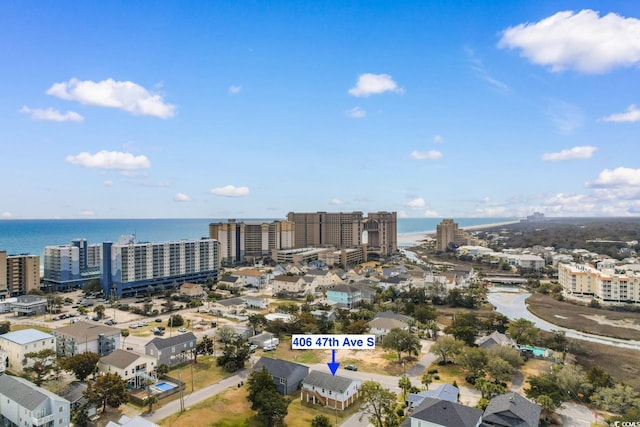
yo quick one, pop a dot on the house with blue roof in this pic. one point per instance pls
(443, 392)
(19, 343)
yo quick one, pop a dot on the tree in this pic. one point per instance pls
(205, 346)
(271, 407)
(546, 404)
(472, 360)
(546, 384)
(83, 310)
(92, 286)
(523, 331)
(465, 327)
(226, 334)
(426, 379)
(598, 377)
(124, 334)
(99, 311)
(5, 327)
(511, 355)
(43, 362)
(446, 346)
(405, 384)
(620, 399)
(257, 321)
(82, 364)
(234, 356)
(150, 400)
(108, 389)
(357, 327)
(401, 340)
(489, 389)
(378, 404)
(163, 369)
(320, 421)
(499, 370)
(176, 320)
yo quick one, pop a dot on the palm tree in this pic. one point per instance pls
(150, 400)
(426, 379)
(124, 333)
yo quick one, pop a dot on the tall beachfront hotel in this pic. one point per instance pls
(378, 231)
(71, 266)
(250, 239)
(130, 268)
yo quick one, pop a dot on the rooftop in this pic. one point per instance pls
(26, 336)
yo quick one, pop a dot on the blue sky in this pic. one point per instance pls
(254, 109)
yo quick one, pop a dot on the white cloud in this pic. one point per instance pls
(374, 84)
(430, 214)
(426, 155)
(337, 202)
(481, 71)
(565, 117)
(233, 89)
(582, 41)
(631, 115)
(438, 139)
(230, 191)
(134, 174)
(50, 114)
(125, 95)
(108, 183)
(582, 152)
(356, 113)
(87, 212)
(110, 160)
(181, 197)
(619, 177)
(416, 203)
(6, 215)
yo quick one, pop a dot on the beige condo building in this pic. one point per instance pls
(377, 231)
(18, 273)
(447, 232)
(240, 239)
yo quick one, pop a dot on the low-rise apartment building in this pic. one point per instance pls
(608, 285)
(18, 344)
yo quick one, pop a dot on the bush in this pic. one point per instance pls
(471, 379)
(432, 371)
(436, 377)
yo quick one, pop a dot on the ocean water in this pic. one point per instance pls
(31, 236)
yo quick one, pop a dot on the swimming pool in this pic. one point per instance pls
(164, 386)
(537, 351)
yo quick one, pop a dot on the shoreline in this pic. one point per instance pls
(415, 238)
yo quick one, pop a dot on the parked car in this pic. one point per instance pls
(182, 329)
(130, 348)
(158, 320)
(110, 322)
(351, 368)
(269, 347)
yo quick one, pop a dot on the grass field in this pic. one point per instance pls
(598, 321)
(232, 409)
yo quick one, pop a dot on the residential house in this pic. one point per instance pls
(138, 421)
(252, 278)
(74, 393)
(347, 296)
(511, 410)
(324, 314)
(192, 290)
(287, 376)
(286, 318)
(292, 285)
(392, 315)
(80, 337)
(442, 392)
(23, 403)
(232, 282)
(134, 368)
(443, 413)
(328, 390)
(19, 343)
(173, 350)
(399, 282)
(259, 303)
(496, 339)
(381, 326)
(29, 305)
(228, 306)
(323, 277)
(261, 339)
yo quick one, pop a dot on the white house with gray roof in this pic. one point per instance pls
(19, 343)
(173, 350)
(134, 368)
(24, 403)
(511, 410)
(332, 391)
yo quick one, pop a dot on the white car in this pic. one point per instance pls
(182, 330)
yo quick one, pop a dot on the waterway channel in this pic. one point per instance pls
(510, 301)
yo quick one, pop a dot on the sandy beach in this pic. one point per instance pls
(414, 239)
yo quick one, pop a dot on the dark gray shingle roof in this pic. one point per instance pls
(27, 394)
(513, 410)
(446, 413)
(161, 343)
(327, 381)
(279, 368)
